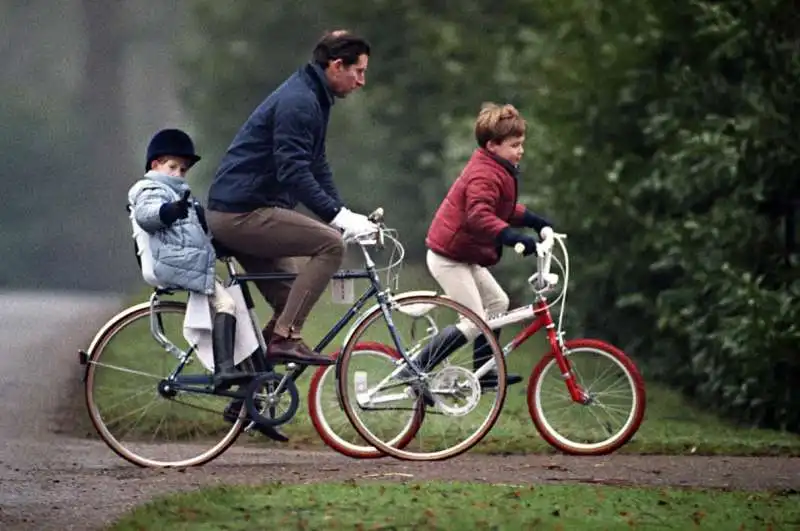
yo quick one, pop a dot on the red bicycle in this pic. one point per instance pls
(585, 396)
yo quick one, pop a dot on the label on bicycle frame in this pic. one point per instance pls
(343, 291)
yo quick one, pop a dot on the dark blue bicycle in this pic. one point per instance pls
(152, 401)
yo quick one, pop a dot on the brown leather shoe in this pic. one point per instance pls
(281, 349)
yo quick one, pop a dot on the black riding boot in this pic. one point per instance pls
(481, 355)
(442, 345)
(258, 363)
(223, 339)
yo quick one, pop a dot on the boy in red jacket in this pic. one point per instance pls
(477, 217)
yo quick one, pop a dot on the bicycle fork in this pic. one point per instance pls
(557, 347)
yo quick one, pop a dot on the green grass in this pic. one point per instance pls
(459, 506)
(671, 425)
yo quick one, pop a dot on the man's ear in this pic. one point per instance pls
(336, 65)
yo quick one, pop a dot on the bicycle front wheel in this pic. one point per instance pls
(614, 403)
(459, 406)
(134, 414)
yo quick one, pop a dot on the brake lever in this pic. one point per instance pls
(376, 216)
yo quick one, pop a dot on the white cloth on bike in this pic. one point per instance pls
(197, 326)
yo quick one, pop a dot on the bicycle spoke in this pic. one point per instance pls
(611, 414)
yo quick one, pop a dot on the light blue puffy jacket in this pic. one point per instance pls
(182, 254)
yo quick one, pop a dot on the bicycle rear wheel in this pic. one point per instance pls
(325, 409)
(439, 333)
(133, 414)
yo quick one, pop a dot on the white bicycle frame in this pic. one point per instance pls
(542, 281)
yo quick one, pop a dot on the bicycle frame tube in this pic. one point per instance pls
(242, 279)
(347, 317)
(339, 275)
(543, 319)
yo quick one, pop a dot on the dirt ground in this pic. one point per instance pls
(49, 480)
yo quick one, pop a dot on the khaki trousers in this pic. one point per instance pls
(267, 240)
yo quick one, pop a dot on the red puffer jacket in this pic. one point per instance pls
(479, 204)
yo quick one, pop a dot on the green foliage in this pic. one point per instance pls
(689, 133)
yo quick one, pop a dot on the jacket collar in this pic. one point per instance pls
(319, 83)
(176, 183)
(506, 164)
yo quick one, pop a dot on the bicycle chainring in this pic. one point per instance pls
(272, 399)
(456, 389)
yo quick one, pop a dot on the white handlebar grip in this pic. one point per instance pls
(519, 248)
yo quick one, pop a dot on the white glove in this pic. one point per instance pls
(546, 232)
(353, 225)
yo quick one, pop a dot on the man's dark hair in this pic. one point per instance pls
(340, 44)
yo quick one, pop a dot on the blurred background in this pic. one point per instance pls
(663, 137)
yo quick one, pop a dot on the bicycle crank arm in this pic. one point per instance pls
(268, 431)
(380, 399)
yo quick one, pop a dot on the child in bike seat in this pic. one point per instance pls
(178, 251)
(478, 216)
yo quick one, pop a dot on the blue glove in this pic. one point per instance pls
(510, 238)
(533, 221)
(175, 210)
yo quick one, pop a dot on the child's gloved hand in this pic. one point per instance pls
(175, 210)
(510, 238)
(534, 221)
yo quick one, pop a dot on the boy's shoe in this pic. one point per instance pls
(489, 380)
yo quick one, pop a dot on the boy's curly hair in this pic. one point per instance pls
(498, 122)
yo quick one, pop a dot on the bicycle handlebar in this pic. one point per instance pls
(377, 238)
(544, 255)
(546, 246)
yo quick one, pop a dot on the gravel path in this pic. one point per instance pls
(49, 480)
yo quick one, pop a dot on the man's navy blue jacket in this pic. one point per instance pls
(278, 156)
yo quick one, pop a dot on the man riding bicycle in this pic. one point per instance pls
(275, 161)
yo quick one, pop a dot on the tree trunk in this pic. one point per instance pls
(110, 169)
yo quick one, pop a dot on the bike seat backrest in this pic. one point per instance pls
(141, 246)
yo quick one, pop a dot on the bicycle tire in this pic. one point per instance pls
(558, 441)
(403, 453)
(328, 434)
(95, 352)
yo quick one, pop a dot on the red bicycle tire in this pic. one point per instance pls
(319, 424)
(638, 385)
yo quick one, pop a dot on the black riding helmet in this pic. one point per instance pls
(171, 142)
